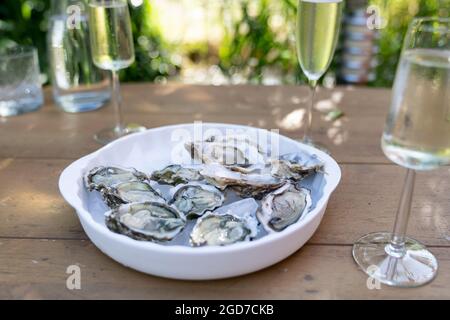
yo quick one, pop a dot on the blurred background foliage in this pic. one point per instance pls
(218, 41)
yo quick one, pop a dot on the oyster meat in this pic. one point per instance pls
(238, 139)
(195, 199)
(226, 150)
(227, 225)
(133, 191)
(153, 221)
(105, 177)
(245, 184)
(284, 206)
(296, 166)
(176, 174)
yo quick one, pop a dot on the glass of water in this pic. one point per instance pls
(20, 83)
(417, 137)
(78, 85)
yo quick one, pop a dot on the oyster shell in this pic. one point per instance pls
(105, 177)
(227, 225)
(195, 199)
(226, 150)
(245, 184)
(237, 139)
(284, 207)
(176, 174)
(146, 221)
(133, 191)
(296, 166)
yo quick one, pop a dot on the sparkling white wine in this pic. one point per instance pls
(318, 25)
(417, 134)
(111, 37)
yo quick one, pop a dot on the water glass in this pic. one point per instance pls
(78, 85)
(20, 84)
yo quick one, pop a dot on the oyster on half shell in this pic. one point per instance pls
(100, 178)
(245, 184)
(195, 199)
(284, 206)
(153, 221)
(227, 225)
(133, 191)
(296, 166)
(227, 150)
(176, 174)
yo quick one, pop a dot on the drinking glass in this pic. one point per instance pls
(318, 26)
(20, 83)
(417, 137)
(112, 49)
(78, 85)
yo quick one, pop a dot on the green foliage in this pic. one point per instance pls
(153, 59)
(258, 38)
(251, 45)
(399, 14)
(25, 22)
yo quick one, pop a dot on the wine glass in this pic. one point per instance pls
(112, 49)
(417, 137)
(318, 25)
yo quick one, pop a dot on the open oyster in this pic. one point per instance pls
(227, 150)
(176, 174)
(106, 177)
(133, 191)
(245, 184)
(238, 139)
(284, 207)
(146, 221)
(195, 199)
(227, 225)
(296, 166)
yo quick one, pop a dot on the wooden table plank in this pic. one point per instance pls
(36, 269)
(51, 133)
(365, 201)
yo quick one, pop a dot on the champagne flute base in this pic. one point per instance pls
(110, 134)
(414, 267)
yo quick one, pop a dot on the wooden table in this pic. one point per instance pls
(40, 235)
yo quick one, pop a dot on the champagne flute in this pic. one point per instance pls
(318, 25)
(112, 49)
(417, 137)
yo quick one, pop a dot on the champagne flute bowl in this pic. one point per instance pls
(318, 26)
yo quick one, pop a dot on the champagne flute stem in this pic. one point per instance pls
(312, 89)
(397, 246)
(117, 103)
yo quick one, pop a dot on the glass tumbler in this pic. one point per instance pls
(20, 83)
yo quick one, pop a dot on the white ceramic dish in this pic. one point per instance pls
(153, 149)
